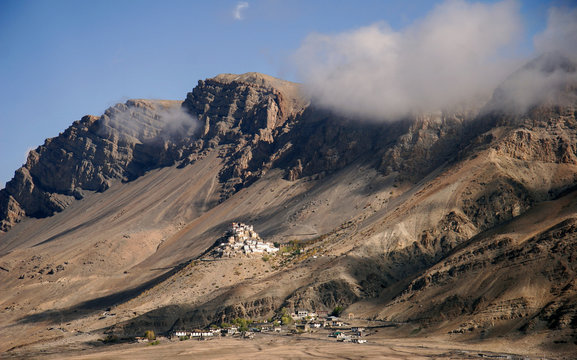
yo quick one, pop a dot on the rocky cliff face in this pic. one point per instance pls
(242, 114)
(263, 123)
(245, 114)
(94, 151)
(258, 122)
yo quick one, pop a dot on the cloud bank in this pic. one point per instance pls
(453, 56)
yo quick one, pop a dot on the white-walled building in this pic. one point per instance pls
(243, 240)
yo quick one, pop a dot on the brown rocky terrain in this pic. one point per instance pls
(121, 144)
(460, 224)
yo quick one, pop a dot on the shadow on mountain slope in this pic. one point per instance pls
(94, 306)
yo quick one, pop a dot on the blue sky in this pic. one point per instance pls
(60, 60)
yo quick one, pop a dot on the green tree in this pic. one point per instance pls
(242, 323)
(285, 317)
(337, 311)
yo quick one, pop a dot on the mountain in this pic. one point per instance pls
(459, 222)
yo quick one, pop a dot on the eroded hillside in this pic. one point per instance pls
(461, 222)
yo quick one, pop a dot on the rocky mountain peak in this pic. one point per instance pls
(244, 113)
(254, 78)
(251, 103)
(257, 122)
(121, 144)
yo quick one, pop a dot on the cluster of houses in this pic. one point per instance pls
(354, 335)
(307, 321)
(241, 239)
(304, 321)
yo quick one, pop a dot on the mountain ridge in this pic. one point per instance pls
(398, 221)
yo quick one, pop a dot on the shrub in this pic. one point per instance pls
(110, 339)
(293, 247)
(149, 335)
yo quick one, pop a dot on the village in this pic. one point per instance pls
(241, 239)
(302, 322)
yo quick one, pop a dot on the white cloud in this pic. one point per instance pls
(545, 78)
(239, 9)
(560, 34)
(450, 57)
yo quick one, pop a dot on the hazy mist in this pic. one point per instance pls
(164, 122)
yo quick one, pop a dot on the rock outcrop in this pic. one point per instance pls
(257, 122)
(94, 151)
(244, 114)
(263, 122)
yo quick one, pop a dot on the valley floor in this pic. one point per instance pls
(384, 345)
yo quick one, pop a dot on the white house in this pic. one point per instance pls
(201, 333)
(302, 313)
